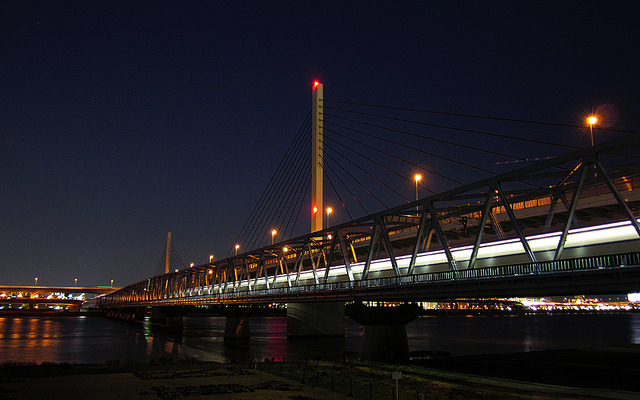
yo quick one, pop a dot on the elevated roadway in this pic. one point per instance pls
(6, 289)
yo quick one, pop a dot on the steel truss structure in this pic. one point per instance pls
(532, 216)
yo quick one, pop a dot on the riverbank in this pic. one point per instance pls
(608, 373)
(609, 368)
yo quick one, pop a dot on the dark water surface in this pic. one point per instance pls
(92, 339)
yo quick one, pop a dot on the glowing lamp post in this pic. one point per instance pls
(591, 120)
(237, 247)
(417, 178)
(273, 235)
(75, 282)
(210, 258)
(329, 211)
(36, 282)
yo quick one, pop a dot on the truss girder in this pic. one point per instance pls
(486, 210)
(437, 228)
(570, 218)
(515, 224)
(424, 222)
(344, 249)
(617, 196)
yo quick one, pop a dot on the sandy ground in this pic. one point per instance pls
(167, 384)
(579, 374)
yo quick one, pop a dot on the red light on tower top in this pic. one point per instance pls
(315, 84)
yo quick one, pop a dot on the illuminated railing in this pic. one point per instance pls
(237, 293)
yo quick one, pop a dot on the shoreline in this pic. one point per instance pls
(282, 312)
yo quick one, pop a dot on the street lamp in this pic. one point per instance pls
(592, 119)
(329, 211)
(417, 178)
(112, 283)
(191, 265)
(210, 258)
(273, 234)
(75, 282)
(237, 247)
(36, 282)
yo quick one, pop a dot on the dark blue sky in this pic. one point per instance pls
(120, 121)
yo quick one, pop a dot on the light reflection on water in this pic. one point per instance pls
(97, 340)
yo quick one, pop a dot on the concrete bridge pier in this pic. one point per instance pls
(123, 313)
(167, 316)
(237, 325)
(315, 319)
(140, 313)
(385, 333)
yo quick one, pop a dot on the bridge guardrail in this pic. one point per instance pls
(540, 268)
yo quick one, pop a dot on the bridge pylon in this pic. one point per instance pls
(167, 260)
(316, 158)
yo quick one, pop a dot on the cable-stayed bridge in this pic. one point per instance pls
(563, 223)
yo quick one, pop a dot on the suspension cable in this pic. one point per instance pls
(357, 181)
(394, 157)
(419, 150)
(476, 116)
(269, 187)
(366, 172)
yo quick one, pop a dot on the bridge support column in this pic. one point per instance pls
(74, 308)
(237, 325)
(140, 313)
(385, 333)
(169, 317)
(315, 319)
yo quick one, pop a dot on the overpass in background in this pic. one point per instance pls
(8, 289)
(38, 299)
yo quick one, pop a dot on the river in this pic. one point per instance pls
(94, 339)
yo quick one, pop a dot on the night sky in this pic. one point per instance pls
(123, 120)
